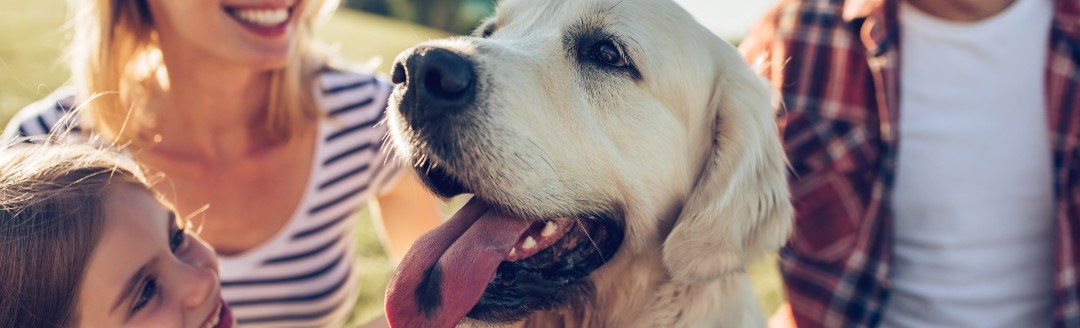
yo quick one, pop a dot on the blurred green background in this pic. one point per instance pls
(33, 35)
(454, 16)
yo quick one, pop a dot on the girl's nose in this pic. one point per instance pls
(200, 284)
(200, 272)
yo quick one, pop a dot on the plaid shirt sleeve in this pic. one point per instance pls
(834, 266)
(1063, 89)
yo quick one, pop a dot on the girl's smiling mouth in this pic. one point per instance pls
(220, 318)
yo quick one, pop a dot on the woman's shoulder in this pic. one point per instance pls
(352, 146)
(43, 117)
(344, 92)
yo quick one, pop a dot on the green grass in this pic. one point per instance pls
(32, 37)
(30, 43)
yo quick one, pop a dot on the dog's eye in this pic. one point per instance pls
(488, 30)
(608, 53)
(604, 53)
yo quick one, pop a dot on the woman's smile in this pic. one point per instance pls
(262, 20)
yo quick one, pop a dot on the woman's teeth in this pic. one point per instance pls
(262, 17)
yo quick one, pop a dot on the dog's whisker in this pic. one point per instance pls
(591, 240)
(545, 157)
(421, 161)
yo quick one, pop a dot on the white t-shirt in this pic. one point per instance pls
(973, 200)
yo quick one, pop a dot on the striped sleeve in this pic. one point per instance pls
(357, 104)
(49, 116)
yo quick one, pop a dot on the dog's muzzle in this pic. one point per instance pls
(436, 83)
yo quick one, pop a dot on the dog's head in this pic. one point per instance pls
(592, 133)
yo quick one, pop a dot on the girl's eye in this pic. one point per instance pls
(177, 239)
(145, 294)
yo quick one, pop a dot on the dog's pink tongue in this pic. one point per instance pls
(446, 270)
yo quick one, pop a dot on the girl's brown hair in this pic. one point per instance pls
(51, 217)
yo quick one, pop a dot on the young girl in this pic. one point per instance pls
(85, 243)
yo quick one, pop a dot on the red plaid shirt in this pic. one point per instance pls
(836, 63)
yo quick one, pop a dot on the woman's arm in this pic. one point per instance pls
(404, 212)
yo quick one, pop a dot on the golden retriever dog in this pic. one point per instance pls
(624, 165)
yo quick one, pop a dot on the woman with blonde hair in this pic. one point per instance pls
(253, 128)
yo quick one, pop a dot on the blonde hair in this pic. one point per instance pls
(51, 217)
(114, 52)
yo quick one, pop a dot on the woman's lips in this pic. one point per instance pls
(263, 21)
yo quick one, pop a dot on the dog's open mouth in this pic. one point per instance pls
(489, 265)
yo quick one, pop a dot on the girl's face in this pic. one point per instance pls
(251, 33)
(148, 272)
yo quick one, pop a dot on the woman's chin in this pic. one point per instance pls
(263, 61)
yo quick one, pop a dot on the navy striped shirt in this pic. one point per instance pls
(303, 276)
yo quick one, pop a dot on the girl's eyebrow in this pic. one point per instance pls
(129, 288)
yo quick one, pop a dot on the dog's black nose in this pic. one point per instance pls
(437, 82)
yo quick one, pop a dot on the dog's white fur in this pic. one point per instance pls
(689, 152)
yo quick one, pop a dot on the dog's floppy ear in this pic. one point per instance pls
(740, 206)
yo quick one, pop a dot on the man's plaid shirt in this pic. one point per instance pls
(836, 63)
